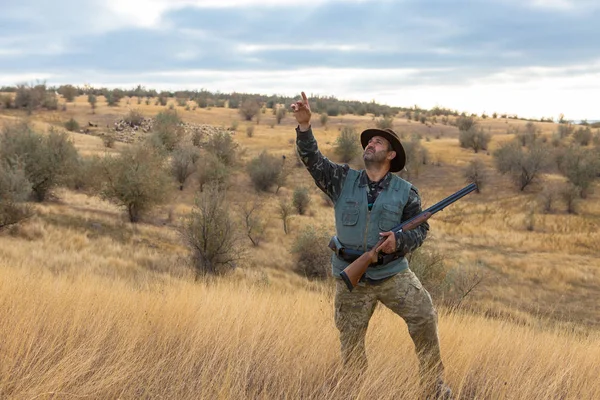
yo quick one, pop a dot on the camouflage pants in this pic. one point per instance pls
(405, 296)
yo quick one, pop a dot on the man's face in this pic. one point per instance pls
(378, 150)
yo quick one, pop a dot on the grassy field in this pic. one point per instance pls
(93, 306)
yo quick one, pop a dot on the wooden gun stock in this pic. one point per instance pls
(353, 272)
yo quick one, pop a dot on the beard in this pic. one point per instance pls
(374, 158)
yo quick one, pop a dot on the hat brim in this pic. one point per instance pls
(397, 163)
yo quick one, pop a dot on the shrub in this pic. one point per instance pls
(548, 198)
(212, 171)
(285, 211)
(222, 145)
(476, 139)
(323, 118)
(72, 125)
(280, 115)
(530, 135)
(583, 136)
(416, 157)
(312, 254)
(522, 164)
(136, 179)
(385, 123)
(250, 131)
(108, 139)
(68, 92)
(264, 171)
(301, 200)
(249, 109)
(14, 191)
(580, 166)
(254, 224)
(134, 118)
(181, 101)
(92, 100)
(476, 173)
(47, 159)
(347, 145)
(5, 101)
(209, 232)
(183, 162)
(167, 129)
(464, 123)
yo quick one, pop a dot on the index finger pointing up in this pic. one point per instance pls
(304, 98)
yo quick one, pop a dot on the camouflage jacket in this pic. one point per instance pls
(330, 177)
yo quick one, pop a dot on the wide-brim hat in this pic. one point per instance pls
(398, 162)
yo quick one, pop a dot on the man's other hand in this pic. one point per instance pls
(302, 112)
(389, 246)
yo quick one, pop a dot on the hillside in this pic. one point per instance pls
(108, 309)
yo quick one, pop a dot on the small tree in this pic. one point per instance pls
(312, 254)
(583, 136)
(222, 145)
(347, 145)
(212, 171)
(249, 109)
(474, 138)
(580, 166)
(14, 191)
(48, 160)
(68, 92)
(92, 100)
(523, 164)
(280, 115)
(134, 118)
(416, 157)
(285, 211)
(569, 194)
(167, 129)
(476, 173)
(254, 224)
(264, 171)
(301, 200)
(323, 118)
(183, 162)
(464, 123)
(386, 122)
(209, 232)
(136, 179)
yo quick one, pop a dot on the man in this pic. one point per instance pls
(368, 204)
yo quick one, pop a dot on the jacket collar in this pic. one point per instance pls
(383, 183)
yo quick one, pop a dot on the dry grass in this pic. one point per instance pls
(92, 306)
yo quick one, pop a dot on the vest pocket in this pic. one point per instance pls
(390, 217)
(350, 215)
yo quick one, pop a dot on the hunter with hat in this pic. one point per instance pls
(368, 203)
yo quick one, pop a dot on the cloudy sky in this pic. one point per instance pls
(534, 58)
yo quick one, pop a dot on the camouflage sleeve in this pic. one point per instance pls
(328, 175)
(411, 240)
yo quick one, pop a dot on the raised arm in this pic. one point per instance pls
(328, 175)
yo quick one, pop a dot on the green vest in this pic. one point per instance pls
(358, 228)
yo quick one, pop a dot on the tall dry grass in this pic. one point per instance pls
(83, 335)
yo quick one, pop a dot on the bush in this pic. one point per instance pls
(68, 92)
(72, 125)
(548, 198)
(209, 232)
(347, 145)
(580, 166)
(476, 139)
(108, 139)
(476, 173)
(249, 109)
(250, 131)
(134, 118)
(136, 179)
(416, 157)
(301, 200)
(323, 118)
(385, 123)
(523, 164)
(5, 101)
(167, 129)
(264, 171)
(183, 163)
(464, 123)
(222, 145)
(92, 100)
(212, 171)
(280, 115)
(312, 254)
(48, 160)
(583, 136)
(254, 224)
(14, 191)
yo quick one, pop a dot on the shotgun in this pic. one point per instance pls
(353, 272)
